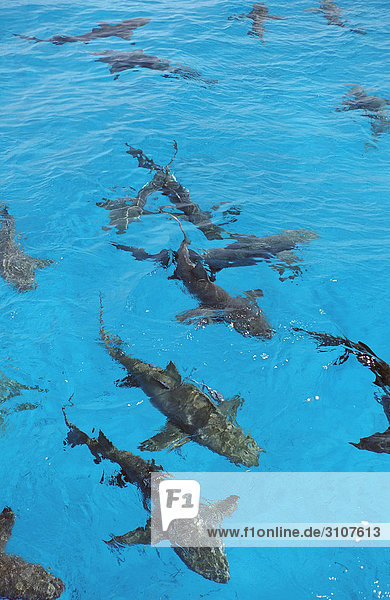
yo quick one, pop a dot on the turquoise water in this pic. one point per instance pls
(266, 137)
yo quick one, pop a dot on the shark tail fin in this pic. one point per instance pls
(108, 339)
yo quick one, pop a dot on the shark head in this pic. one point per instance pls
(249, 320)
(211, 563)
(242, 449)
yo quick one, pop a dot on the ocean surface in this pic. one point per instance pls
(265, 139)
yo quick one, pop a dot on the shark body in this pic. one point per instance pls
(19, 579)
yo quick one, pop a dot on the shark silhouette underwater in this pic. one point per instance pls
(124, 211)
(373, 107)
(209, 562)
(137, 59)
(16, 267)
(259, 14)
(122, 30)
(21, 580)
(332, 13)
(246, 250)
(192, 415)
(216, 304)
(378, 442)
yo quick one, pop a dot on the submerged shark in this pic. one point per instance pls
(126, 210)
(210, 562)
(122, 30)
(332, 13)
(259, 14)
(378, 442)
(247, 250)
(373, 107)
(10, 388)
(21, 580)
(16, 267)
(191, 414)
(363, 353)
(179, 195)
(216, 304)
(122, 61)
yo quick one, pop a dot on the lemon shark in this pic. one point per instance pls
(209, 562)
(192, 414)
(259, 14)
(122, 30)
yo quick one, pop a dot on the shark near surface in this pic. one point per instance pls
(209, 562)
(377, 442)
(247, 250)
(192, 415)
(122, 30)
(124, 211)
(259, 14)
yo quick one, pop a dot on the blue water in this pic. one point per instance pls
(266, 138)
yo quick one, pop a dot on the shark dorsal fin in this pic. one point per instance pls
(172, 371)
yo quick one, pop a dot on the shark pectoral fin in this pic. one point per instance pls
(201, 316)
(230, 407)
(141, 535)
(172, 371)
(128, 381)
(41, 263)
(169, 437)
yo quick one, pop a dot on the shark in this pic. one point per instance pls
(122, 30)
(209, 562)
(358, 99)
(124, 211)
(179, 195)
(191, 413)
(216, 304)
(9, 388)
(378, 442)
(16, 267)
(123, 61)
(247, 250)
(259, 14)
(19, 579)
(332, 13)
(373, 107)
(360, 350)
